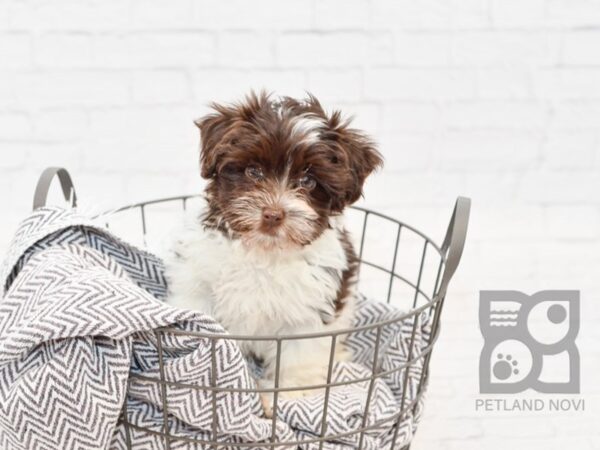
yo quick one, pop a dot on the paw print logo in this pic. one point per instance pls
(505, 367)
(529, 342)
(510, 361)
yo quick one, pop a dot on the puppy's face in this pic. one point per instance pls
(278, 170)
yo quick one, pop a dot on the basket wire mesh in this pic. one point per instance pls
(445, 261)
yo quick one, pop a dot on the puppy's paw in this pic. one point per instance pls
(299, 394)
(301, 380)
(266, 398)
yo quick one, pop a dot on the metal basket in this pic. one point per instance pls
(416, 295)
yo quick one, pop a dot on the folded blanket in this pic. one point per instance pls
(79, 356)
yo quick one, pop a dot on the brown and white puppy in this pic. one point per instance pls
(270, 255)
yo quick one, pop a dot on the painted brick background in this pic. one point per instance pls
(498, 100)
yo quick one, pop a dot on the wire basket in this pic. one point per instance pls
(413, 275)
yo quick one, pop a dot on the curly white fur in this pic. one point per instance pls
(254, 292)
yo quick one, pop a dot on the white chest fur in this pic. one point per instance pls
(257, 292)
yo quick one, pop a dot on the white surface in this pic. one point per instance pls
(498, 100)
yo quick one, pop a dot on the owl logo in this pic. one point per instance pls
(529, 342)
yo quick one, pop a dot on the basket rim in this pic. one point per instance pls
(402, 315)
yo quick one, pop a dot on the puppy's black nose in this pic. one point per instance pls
(272, 217)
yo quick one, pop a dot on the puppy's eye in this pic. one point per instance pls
(256, 173)
(307, 182)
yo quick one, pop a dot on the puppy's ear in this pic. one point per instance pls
(218, 130)
(213, 129)
(358, 151)
(364, 158)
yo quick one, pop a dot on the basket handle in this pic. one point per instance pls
(43, 186)
(454, 242)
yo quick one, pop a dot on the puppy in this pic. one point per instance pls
(270, 255)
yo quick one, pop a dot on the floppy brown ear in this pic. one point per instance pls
(359, 152)
(364, 158)
(213, 129)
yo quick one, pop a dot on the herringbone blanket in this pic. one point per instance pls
(78, 356)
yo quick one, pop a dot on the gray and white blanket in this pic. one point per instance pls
(78, 351)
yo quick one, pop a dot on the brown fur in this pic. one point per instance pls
(349, 275)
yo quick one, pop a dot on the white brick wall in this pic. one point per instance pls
(495, 99)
